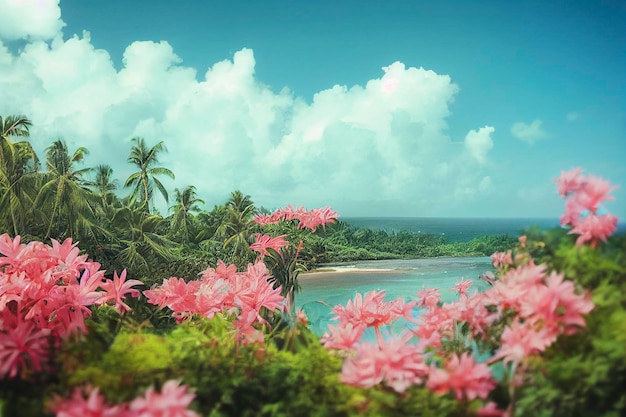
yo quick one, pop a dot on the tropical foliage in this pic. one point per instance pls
(65, 197)
(547, 338)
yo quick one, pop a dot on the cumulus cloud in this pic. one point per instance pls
(479, 142)
(379, 148)
(528, 133)
(30, 19)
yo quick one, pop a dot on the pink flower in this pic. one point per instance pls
(593, 192)
(573, 210)
(23, 347)
(462, 287)
(172, 401)
(118, 288)
(265, 242)
(569, 181)
(258, 291)
(582, 207)
(301, 317)
(429, 298)
(306, 219)
(174, 294)
(371, 310)
(570, 307)
(522, 241)
(262, 220)
(492, 410)
(594, 228)
(92, 406)
(393, 361)
(10, 248)
(500, 259)
(522, 340)
(342, 337)
(463, 376)
(436, 323)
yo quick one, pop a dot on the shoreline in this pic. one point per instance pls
(367, 267)
(342, 270)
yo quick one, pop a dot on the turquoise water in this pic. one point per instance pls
(399, 278)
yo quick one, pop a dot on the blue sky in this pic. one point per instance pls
(481, 104)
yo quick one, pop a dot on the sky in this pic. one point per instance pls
(380, 108)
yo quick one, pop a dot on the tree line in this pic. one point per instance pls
(58, 197)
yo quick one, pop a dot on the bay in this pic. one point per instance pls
(321, 291)
(403, 278)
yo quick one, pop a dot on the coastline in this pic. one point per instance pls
(345, 270)
(418, 266)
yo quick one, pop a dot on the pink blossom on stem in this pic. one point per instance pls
(594, 228)
(342, 337)
(92, 406)
(593, 192)
(462, 287)
(463, 376)
(118, 288)
(569, 182)
(492, 410)
(500, 259)
(22, 346)
(570, 307)
(172, 401)
(429, 298)
(264, 242)
(306, 219)
(519, 341)
(393, 361)
(371, 310)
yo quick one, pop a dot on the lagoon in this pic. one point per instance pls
(338, 283)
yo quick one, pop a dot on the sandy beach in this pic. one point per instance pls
(327, 271)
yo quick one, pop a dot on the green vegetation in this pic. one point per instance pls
(67, 198)
(291, 374)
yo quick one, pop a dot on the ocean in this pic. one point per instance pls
(453, 229)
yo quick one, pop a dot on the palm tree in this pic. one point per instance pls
(141, 236)
(13, 126)
(103, 185)
(63, 192)
(186, 203)
(238, 226)
(145, 179)
(18, 163)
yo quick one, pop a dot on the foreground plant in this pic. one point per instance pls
(546, 338)
(45, 295)
(482, 340)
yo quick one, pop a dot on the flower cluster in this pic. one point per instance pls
(172, 401)
(365, 311)
(222, 290)
(532, 306)
(307, 219)
(583, 206)
(45, 295)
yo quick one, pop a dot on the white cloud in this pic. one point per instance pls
(30, 19)
(380, 148)
(479, 143)
(528, 133)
